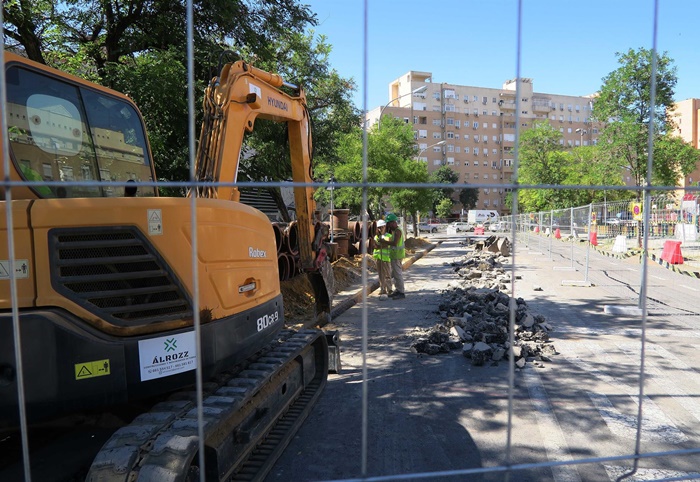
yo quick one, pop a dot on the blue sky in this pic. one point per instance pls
(567, 46)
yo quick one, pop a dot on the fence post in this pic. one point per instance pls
(571, 228)
(551, 231)
(588, 247)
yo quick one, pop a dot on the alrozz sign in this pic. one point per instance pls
(167, 355)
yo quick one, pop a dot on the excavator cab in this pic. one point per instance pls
(62, 132)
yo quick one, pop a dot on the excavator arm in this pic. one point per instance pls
(232, 103)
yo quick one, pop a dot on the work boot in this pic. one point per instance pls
(398, 296)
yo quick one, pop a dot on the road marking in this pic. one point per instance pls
(656, 425)
(657, 277)
(670, 385)
(688, 287)
(552, 437)
(628, 332)
(615, 471)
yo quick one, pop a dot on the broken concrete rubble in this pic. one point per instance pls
(475, 316)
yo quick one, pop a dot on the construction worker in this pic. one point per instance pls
(382, 257)
(397, 253)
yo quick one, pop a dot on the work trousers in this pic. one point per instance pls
(384, 271)
(397, 274)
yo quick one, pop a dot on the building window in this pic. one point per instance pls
(476, 151)
(476, 125)
(450, 148)
(437, 162)
(494, 151)
(436, 122)
(450, 121)
(422, 146)
(450, 135)
(437, 135)
(466, 163)
(569, 130)
(422, 134)
(449, 108)
(450, 161)
(476, 98)
(458, 149)
(476, 163)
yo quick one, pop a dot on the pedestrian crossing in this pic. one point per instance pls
(609, 374)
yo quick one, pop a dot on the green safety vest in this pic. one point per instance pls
(398, 251)
(382, 253)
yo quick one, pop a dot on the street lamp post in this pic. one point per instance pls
(419, 90)
(432, 145)
(582, 132)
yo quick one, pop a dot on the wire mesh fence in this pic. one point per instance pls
(565, 235)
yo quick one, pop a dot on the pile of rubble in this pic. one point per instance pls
(475, 314)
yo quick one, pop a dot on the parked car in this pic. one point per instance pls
(620, 218)
(460, 226)
(428, 227)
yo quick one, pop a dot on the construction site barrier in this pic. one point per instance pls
(672, 252)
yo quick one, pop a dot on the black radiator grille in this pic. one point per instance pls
(115, 273)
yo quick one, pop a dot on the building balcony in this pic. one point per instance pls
(507, 105)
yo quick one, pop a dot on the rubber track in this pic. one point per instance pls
(160, 445)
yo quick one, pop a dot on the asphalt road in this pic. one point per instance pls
(439, 414)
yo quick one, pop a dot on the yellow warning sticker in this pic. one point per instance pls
(91, 369)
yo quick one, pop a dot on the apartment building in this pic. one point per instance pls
(686, 117)
(472, 129)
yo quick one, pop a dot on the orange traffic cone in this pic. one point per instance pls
(593, 238)
(557, 233)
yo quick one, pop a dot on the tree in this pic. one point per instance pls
(468, 197)
(390, 159)
(624, 105)
(443, 175)
(542, 161)
(139, 48)
(444, 208)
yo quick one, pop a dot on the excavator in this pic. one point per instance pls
(104, 297)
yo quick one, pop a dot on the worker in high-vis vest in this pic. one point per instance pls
(397, 252)
(382, 257)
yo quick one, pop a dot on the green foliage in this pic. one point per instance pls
(443, 175)
(469, 197)
(624, 104)
(542, 161)
(390, 152)
(139, 47)
(444, 208)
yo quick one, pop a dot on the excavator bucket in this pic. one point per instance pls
(323, 284)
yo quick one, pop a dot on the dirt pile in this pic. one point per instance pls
(475, 314)
(298, 295)
(297, 292)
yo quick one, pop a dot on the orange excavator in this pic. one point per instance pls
(105, 292)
